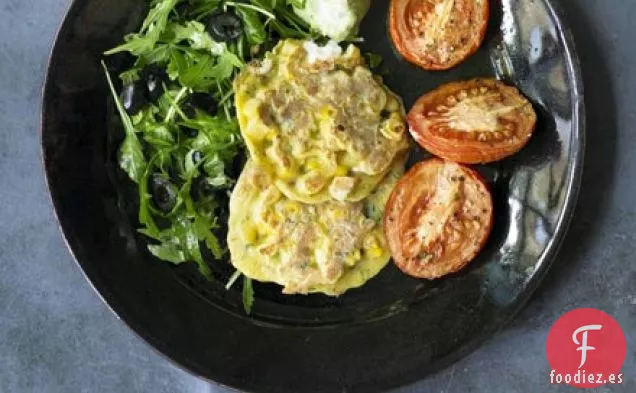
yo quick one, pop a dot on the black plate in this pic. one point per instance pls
(393, 331)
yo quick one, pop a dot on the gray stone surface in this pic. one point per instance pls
(57, 337)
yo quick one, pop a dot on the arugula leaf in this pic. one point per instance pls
(177, 65)
(168, 252)
(194, 32)
(373, 60)
(131, 156)
(248, 295)
(194, 250)
(179, 244)
(158, 14)
(125, 119)
(287, 24)
(254, 27)
(129, 76)
(204, 71)
(151, 29)
(297, 3)
(205, 7)
(202, 227)
(159, 135)
(215, 169)
(159, 54)
(156, 143)
(145, 212)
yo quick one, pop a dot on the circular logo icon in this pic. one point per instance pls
(586, 348)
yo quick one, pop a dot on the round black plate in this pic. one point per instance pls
(393, 331)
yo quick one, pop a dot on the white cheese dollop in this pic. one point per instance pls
(316, 53)
(337, 19)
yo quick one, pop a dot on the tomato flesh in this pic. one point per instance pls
(473, 122)
(438, 219)
(438, 34)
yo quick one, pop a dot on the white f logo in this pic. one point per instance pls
(583, 344)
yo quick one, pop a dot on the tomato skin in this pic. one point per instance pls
(460, 36)
(432, 121)
(428, 238)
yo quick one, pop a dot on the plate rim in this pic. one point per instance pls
(544, 262)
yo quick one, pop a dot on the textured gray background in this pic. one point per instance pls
(56, 336)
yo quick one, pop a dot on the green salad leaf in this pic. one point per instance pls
(131, 157)
(153, 26)
(182, 147)
(255, 30)
(180, 152)
(248, 295)
(373, 60)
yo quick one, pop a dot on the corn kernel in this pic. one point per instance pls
(293, 208)
(337, 214)
(374, 252)
(313, 165)
(353, 258)
(370, 242)
(341, 171)
(393, 128)
(326, 112)
(250, 235)
(392, 104)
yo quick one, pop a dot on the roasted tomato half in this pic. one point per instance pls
(438, 219)
(438, 34)
(473, 122)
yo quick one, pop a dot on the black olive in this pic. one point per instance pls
(197, 156)
(120, 61)
(205, 102)
(164, 193)
(188, 108)
(204, 189)
(155, 78)
(133, 97)
(202, 101)
(190, 132)
(182, 10)
(236, 167)
(225, 26)
(275, 36)
(322, 41)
